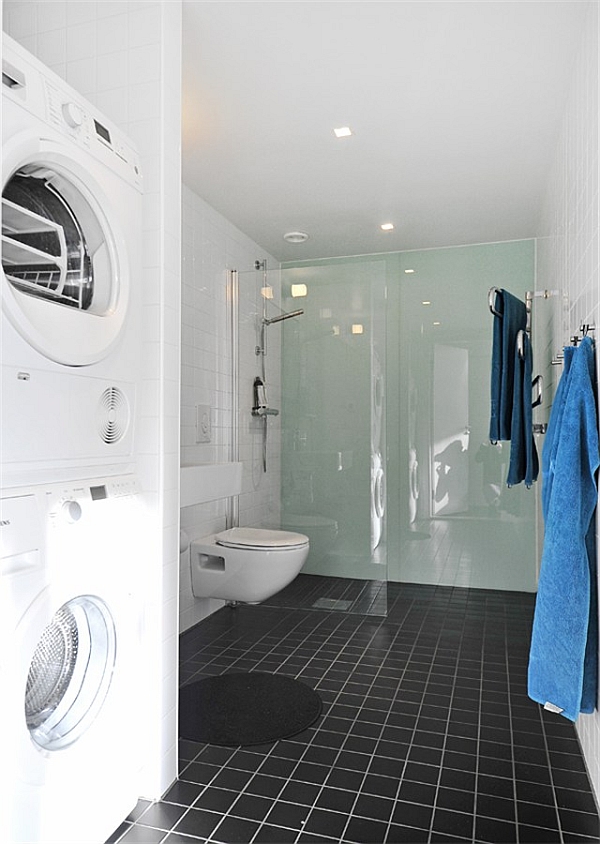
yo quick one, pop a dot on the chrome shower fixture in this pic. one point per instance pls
(281, 317)
(262, 349)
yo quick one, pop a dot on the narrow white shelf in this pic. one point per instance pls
(203, 482)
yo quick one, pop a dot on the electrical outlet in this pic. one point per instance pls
(203, 423)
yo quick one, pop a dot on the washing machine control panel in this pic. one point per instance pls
(68, 505)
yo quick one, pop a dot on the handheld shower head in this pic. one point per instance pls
(281, 317)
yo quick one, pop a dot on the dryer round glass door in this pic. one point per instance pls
(70, 672)
(64, 255)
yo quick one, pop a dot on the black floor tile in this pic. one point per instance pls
(326, 822)
(198, 822)
(233, 830)
(162, 815)
(291, 815)
(426, 735)
(184, 793)
(365, 831)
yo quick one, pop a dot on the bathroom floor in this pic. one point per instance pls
(427, 733)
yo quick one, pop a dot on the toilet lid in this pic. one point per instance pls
(244, 537)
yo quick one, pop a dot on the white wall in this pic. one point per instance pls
(210, 247)
(125, 58)
(568, 248)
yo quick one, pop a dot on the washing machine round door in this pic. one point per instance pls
(64, 257)
(70, 672)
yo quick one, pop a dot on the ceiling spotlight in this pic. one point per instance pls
(295, 237)
(387, 227)
(343, 132)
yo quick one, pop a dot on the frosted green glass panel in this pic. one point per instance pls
(456, 521)
(333, 416)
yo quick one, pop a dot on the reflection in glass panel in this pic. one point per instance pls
(458, 522)
(333, 427)
(386, 460)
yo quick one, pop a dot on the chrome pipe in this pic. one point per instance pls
(232, 518)
(281, 317)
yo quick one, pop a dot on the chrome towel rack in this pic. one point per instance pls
(537, 385)
(584, 329)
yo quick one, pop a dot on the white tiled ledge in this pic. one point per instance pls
(202, 482)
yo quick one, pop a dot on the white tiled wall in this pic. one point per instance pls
(210, 247)
(125, 58)
(568, 247)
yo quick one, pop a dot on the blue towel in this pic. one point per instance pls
(506, 327)
(523, 464)
(551, 438)
(563, 659)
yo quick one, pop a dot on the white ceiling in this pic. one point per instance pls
(455, 106)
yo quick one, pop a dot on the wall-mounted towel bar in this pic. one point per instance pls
(492, 300)
(584, 330)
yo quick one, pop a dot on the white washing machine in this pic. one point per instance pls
(71, 280)
(70, 673)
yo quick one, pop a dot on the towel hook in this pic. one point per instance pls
(538, 385)
(521, 343)
(492, 300)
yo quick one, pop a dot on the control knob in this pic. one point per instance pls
(72, 114)
(71, 510)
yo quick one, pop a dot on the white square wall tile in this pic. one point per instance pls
(79, 40)
(51, 15)
(52, 46)
(112, 34)
(144, 26)
(144, 64)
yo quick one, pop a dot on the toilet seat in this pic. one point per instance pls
(244, 537)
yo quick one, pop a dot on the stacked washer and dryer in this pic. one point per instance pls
(70, 614)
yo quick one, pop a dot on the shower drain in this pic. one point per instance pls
(331, 604)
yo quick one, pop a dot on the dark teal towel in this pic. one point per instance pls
(563, 659)
(513, 318)
(524, 463)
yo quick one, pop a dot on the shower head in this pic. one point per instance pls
(281, 317)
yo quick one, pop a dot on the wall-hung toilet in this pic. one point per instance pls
(246, 564)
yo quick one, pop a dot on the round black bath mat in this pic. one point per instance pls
(242, 709)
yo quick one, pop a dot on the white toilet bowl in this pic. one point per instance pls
(246, 564)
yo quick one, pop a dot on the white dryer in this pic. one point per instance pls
(71, 280)
(70, 673)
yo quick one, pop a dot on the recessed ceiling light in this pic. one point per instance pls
(437, 322)
(343, 132)
(295, 237)
(357, 328)
(387, 227)
(426, 302)
(409, 271)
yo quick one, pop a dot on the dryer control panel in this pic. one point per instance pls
(37, 89)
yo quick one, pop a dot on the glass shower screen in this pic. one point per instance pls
(333, 430)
